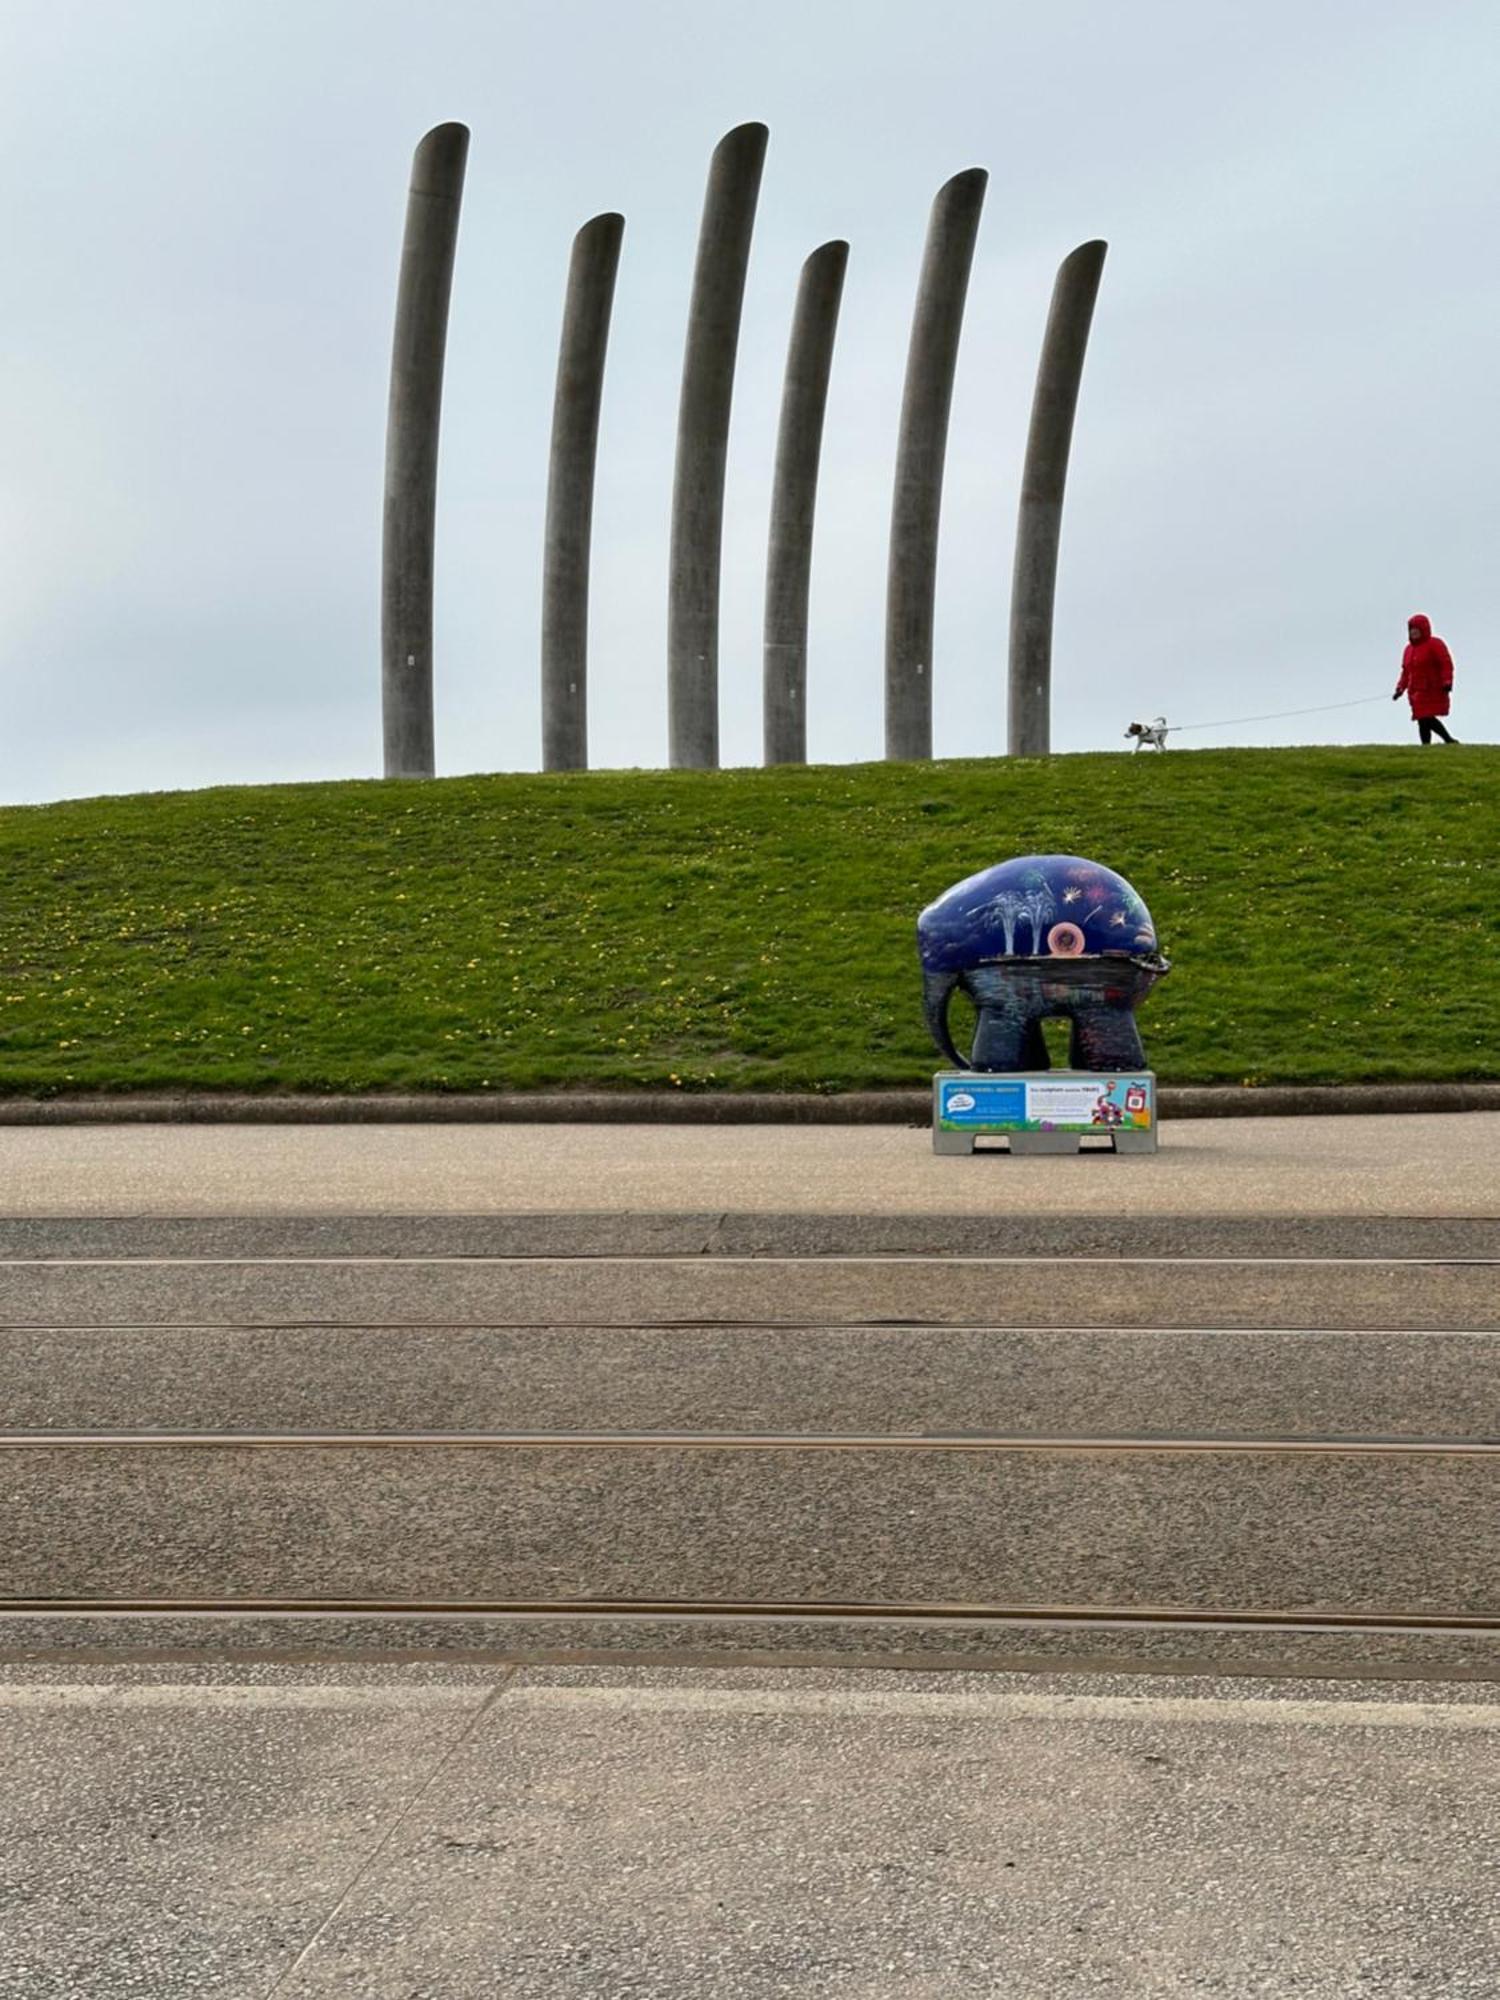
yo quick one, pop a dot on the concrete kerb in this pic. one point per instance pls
(651, 1107)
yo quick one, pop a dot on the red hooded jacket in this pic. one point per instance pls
(1426, 671)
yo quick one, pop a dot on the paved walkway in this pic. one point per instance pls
(281, 1833)
(1346, 1166)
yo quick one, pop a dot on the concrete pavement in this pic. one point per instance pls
(1039, 1291)
(1412, 1165)
(284, 1833)
(794, 1378)
(1380, 1536)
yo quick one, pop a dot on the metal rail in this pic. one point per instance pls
(747, 1441)
(1168, 1617)
(909, 1323)
(816, 1260)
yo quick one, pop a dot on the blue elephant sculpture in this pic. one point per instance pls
(1038, 938)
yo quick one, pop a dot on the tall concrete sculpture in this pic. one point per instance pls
(702, 445)
(411, 448)
(799, 441)
(911, 577)
(570, 492)
(1039, 526)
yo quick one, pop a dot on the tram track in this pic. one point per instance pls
(1135, 1457)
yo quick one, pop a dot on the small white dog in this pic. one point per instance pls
(1149, 735)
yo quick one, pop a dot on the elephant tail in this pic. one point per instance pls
(937, 991)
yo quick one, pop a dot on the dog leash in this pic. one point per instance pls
(1278, 715)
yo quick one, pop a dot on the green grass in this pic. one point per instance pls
(1331, 915)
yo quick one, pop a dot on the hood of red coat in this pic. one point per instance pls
(1418, 628)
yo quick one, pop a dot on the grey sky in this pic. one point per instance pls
(1286, 440)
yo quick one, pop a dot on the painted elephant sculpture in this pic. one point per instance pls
(1043, 937)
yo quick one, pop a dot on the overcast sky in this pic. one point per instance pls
(1287, 437)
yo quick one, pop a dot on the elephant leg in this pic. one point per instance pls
(1010, 1004)
(1104, 1037)
(1004, 1037)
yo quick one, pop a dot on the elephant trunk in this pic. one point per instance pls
(937, 991)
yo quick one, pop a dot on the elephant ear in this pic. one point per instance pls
(937, 991)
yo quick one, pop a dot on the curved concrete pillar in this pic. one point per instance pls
(911, 577)
(411, 448)
(799, 441)
(570, 492)
(702, 445)
(1039, 525)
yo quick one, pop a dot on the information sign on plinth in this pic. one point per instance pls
(1052, 1112)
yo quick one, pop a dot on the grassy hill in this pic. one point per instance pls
(1331, 915)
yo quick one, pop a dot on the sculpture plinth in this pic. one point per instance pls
(1051, 1113)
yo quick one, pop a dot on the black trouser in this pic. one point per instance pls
(1427, 723)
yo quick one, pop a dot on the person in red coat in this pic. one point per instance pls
(1426, 678)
